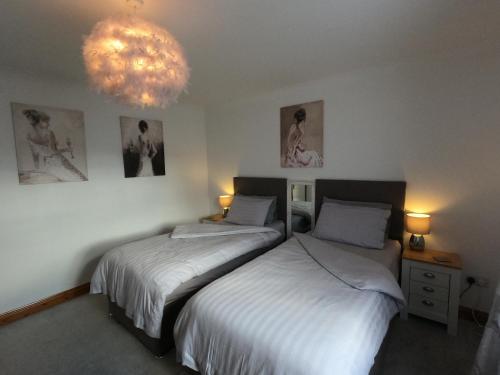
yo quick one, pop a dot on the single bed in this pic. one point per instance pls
(147, 282)
(305, 307)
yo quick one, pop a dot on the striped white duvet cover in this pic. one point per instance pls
(287, 313)
(140, 276)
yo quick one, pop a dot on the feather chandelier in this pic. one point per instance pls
(135, 61)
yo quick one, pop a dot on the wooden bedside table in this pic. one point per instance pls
(212, 219)
(432, 287)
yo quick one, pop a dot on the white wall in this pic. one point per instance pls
(51, 236)
(434, 124)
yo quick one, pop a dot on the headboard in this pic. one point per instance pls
(264, 186)
(392, 192)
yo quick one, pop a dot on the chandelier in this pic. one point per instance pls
(136, 61)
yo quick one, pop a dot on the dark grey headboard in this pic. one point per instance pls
(264, 186)
(392, 192)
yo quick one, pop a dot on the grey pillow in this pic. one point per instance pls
(248, 211)
(272, 214)
(385, 206)
(355, 225)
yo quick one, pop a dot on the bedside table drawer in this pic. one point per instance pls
(427, 290)
(429, 305)
(430, 277)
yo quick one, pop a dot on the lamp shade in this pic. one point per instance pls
(225, 200)
(135, 61)
(418, 223)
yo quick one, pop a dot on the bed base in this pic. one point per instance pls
(159, 347)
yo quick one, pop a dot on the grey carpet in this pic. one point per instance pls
(77, 337)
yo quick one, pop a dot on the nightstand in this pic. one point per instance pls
(212, 219)
(432, 286)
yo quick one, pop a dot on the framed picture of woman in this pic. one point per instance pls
(50, 144)
(302, 135)
(142, 147)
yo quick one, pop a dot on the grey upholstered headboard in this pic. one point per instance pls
(392, 192)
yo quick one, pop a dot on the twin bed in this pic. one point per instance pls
(306, 306)
(149, 281)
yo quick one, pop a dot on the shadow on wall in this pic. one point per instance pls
(95, 252)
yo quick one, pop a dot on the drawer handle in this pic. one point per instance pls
(428, 289)
(428, 303)
(429, 275)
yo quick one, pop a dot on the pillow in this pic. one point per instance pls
(248, 211)
(385, 206)
(355, 225)
(272, 214)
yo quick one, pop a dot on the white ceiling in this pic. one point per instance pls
(237, 47)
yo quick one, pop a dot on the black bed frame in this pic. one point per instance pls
(242, 185)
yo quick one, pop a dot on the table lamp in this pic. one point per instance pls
(225, 202)
(418, 225)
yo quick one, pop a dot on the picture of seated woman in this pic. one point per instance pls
(297, 156)
(47, 155)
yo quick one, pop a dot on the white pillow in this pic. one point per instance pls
(355, 225)
(248, 211)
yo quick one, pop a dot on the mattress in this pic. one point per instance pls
(286, 313)
(389, 256)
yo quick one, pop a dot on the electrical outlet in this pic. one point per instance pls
(482, 282)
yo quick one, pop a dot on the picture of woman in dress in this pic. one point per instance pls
(296, 137)
(42, 157)
(147, 151)
(143, 148)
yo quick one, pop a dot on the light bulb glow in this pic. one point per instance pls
(135, 61)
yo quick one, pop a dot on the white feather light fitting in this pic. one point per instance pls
(136, 61)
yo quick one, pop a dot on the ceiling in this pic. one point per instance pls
(238, 47)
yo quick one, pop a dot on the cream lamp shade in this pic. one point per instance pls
(418, 223)
(225, 201)
(135, 61)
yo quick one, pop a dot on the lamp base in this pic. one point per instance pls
(417, 242)
(225, 211)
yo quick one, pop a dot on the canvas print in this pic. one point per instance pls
(302, 135)
(50, 144)
(143, 147)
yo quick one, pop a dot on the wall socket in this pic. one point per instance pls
(482, 282)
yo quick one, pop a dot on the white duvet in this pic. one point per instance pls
(305, 307)
(140, 276)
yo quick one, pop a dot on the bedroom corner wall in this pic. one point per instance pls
(52, 235)
(434, 124)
